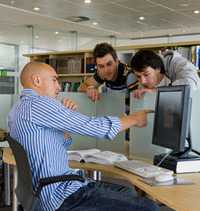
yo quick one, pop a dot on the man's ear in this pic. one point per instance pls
(36, 80)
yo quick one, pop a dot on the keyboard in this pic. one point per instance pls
(142, 168)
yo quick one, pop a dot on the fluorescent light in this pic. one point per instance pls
(36, 8)
(184, 5)
(141, 18)
(87, 1)
(196, 11)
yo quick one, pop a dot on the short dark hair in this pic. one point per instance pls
(102, 49)
(147, 58)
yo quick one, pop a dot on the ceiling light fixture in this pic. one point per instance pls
(87, 1)
(196, 12)
(56, 32)
(78, 18)
(184, 5)
(36, 8)
(95, 23)
(141, 18)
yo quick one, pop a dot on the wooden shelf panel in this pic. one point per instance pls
(119, 48)
(76, 75)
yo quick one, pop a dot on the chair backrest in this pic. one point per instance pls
(24, 191)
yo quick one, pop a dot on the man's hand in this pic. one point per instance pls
(69, 104)
(67, 136)
(139, 93)
(93, 93)
(136, 119)
(140, 118)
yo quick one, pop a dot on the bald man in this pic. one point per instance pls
(38, 122)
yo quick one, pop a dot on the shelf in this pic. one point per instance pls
(119, 48)
(60, 53)
(76, 75)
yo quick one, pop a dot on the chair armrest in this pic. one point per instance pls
(61, 178)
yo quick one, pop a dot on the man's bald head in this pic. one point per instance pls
(40, 77)
(32, 69)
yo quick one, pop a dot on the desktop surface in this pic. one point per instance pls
(179, 198)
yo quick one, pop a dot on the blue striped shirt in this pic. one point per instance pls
(38, 123)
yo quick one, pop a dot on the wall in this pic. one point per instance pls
(33, 39)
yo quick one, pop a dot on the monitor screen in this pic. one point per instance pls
(172, 117)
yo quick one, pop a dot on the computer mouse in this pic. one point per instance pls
(164, 178)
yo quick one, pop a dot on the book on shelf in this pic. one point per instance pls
(69, 86)
(90, 65)
(96, 156)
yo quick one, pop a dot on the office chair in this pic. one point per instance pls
(26, 195)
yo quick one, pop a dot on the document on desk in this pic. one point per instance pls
(175, 181)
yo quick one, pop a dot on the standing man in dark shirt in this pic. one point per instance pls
(110, 71)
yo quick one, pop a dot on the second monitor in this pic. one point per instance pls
(172, 117)
(172, 128)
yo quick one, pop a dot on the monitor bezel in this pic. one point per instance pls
(185, 120)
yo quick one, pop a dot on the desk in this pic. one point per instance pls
(179, 198)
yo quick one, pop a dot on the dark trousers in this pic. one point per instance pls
(101, 196)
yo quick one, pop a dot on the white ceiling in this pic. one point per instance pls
(118, 18)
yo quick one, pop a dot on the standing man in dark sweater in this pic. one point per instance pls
(110, 71)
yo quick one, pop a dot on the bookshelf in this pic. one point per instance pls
(73, 67)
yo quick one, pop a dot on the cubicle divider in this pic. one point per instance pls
(5, 107)
(195, 116)
(112, 104)
(87, 107)
(6, 103)
(141, 138)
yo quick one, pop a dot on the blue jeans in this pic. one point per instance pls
(101, 196)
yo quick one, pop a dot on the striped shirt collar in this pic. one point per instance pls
(28, 92)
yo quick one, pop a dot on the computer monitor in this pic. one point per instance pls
(172, 117)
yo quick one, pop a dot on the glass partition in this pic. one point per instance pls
(8, 68)
(6, 103)
(5, 107)
(194, 127)
(87, 107)
(141, 138)
(110, 104)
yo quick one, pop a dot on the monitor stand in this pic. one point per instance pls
(180, 162)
